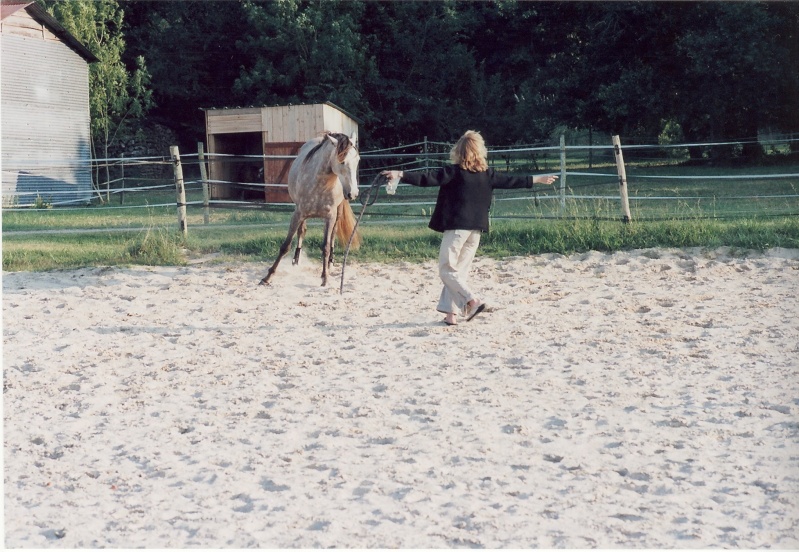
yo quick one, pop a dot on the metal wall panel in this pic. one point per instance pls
(46, 147)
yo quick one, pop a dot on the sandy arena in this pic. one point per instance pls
(647, 399)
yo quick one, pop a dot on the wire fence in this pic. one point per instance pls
(663, 181)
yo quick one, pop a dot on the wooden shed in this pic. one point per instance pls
(271, 131)
(44, 92)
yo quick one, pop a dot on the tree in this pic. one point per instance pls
(786, 34)
(512, 69)
(604, 66)
(117, 96)
(427, 74)
(731, 69)
(191, 53)
(511, 42)
(303, 52)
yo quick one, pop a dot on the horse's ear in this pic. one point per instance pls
(354, 138)
(335, 142)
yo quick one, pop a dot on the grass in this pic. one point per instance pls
(388, 243)
(150, 246)
(394, 228)
(567, 237)
(140, 210)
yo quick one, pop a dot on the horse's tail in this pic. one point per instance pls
(345, 226)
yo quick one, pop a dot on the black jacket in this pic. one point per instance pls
(464, 197)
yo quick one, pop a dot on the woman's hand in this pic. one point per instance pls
(546, 179)
(393, 178)
(392, 175)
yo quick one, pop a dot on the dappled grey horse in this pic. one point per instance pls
(321, 180)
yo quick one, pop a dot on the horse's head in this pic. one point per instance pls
(345, 163)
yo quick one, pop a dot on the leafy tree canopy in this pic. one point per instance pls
(514, 70)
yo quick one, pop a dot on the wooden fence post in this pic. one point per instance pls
(179, 189)
(625, 201)
(122, 195)
(562, 174)
(204, 178)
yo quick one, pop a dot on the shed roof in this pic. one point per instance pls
(38, 13)
(331, 104)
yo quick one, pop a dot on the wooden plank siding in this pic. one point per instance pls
(46, 144)
(335, 119)
(276, 171)
(226, 121)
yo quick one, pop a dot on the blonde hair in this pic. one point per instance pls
(470, 152)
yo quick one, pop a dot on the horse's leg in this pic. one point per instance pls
(327, 245)
(300, 236)
(296, 222)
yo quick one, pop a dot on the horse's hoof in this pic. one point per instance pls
(264, 282)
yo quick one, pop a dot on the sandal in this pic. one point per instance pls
(474, 311)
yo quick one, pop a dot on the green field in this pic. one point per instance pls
(704, 211)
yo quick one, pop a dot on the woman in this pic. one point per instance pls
(465, 191)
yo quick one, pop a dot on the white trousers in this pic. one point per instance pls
(458, 248)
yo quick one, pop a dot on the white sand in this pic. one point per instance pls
(645, 399)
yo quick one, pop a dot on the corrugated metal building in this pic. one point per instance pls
(44, 106)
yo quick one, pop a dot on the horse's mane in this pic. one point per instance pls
(343, 143)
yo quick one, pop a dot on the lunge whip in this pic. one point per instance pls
(368, 199)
